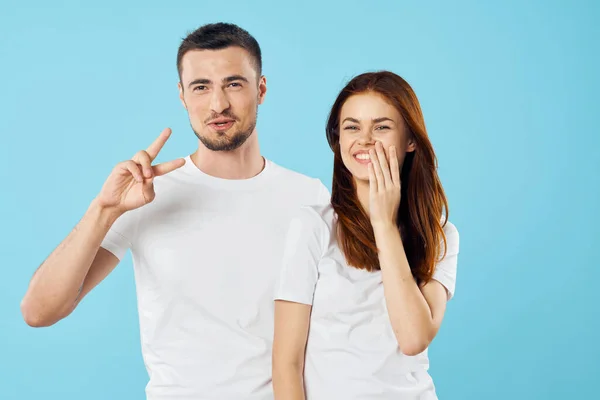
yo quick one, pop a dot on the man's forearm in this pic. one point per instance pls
(57, 283)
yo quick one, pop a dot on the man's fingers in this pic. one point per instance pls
(148, 191)
(158, 144)
(134, 169)
(166, 167)
(144, 160)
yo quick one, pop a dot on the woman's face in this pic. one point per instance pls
(365, 119)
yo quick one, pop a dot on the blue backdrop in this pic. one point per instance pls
(509, 92)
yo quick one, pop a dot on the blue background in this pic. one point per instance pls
(510, 97)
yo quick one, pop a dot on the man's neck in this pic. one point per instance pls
(242, 163)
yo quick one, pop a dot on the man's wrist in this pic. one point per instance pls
(103, 215)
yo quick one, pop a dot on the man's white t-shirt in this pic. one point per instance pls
(206, 254)
(351, 351)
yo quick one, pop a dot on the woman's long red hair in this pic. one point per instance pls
(423, 199)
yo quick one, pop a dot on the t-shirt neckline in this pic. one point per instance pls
(233, 184)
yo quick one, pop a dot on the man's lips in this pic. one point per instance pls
(221, 124)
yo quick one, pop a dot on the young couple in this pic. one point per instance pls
(253, 282)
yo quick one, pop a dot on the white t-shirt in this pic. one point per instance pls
(207, 253)
(351, 352)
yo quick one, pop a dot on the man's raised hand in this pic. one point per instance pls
(131, 183)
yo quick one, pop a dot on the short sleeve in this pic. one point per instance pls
(120, 236)
(445, 270)
(304, 246)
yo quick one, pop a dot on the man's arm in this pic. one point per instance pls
(78, 264)
(75, 267)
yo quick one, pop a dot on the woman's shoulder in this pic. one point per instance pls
(449, 227)
(451, 234)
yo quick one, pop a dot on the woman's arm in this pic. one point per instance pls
(289, 344)
(415, 312)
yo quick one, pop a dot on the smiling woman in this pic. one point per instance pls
(387, 111)
(366, 279)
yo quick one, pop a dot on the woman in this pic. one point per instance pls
(365, 280)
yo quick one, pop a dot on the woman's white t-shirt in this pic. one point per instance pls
(351, 351)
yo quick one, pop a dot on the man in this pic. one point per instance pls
(206, 234)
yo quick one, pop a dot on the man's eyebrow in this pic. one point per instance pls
(200, 81)
(204, 81)
(234, 78)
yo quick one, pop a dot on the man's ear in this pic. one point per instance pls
(180, 88)
(262, 89)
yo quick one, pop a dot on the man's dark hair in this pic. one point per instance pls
(220, 36)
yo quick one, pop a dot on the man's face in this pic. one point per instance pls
(221, 91)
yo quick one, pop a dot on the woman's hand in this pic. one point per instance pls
(384, 186)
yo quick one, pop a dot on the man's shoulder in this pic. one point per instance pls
(286, 173)
(316, 217)
(300, 184)
(323, 212)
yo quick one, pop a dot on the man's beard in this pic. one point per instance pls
(228, 143)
